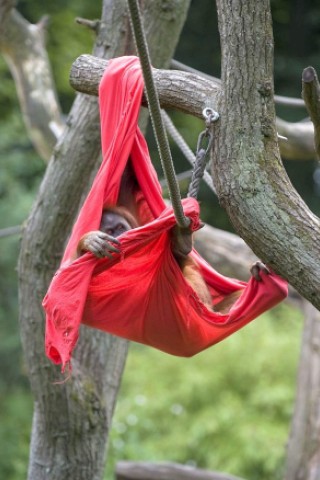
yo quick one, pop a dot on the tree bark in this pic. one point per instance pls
(299, 143)
(71, 421)
(176, 89)
(311, 96)
(250, 179)
(304, 441)
(23, 47)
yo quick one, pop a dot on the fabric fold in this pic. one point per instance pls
(140, 294)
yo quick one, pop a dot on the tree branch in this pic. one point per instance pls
(5, 8)
(22, 45)
(311, 96)
(7, 232)
(176, 89)
(300, 143)
(91, 24)
(279, 99)
(231, 256)
(165, 471)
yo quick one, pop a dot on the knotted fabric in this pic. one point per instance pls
(140, 294)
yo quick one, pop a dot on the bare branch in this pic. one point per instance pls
(300, 135)
(22, 45)
(176, 65)
(91, 24)
(279, 99)
(164, 471)
(9, 231)
(43, 23)
(300, 143)
(311, 96)
(176, 89)
(5, 8)
(289, 101)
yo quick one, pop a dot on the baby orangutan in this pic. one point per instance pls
(101, 243)
(117, 220)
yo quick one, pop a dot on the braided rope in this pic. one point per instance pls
(155, 114)
(198, 171)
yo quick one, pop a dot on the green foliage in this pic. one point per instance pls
(8, 95)
(21, 171)
(15, 424)
(64, 31)
(227, 409)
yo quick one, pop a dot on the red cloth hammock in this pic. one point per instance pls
(140, 294)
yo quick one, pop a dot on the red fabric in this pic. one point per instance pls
(140, 294)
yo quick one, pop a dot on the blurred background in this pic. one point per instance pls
(228, 408)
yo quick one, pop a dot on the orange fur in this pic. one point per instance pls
(123, 212)
(225, 304)
(190, 271)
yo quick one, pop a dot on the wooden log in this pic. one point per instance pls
(175, 88)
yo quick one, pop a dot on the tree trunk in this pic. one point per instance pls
(304, 442)
(71, 421)
(250, 179)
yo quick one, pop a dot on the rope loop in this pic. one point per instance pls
(203, 135)
(210, 116)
